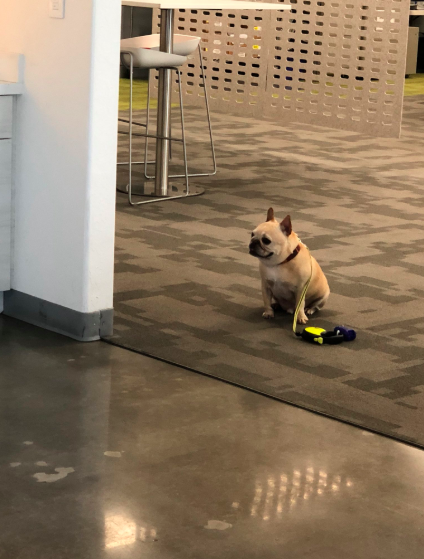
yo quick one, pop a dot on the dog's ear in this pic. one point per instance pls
(270, 215)
(286, 226)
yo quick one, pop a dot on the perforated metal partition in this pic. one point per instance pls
(332, 63)
(235, 48)
(340, 64)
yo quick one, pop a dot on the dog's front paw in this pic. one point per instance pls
(302, 319)
(268, 314)
(310, 312)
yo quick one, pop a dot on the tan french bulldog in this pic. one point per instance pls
(285, 267)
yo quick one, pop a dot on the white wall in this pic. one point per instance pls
(64, 192)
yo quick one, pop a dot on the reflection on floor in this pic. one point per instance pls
(166, 464)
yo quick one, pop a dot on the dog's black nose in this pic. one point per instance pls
(253, 245)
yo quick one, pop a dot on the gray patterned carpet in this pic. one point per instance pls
(188, 291)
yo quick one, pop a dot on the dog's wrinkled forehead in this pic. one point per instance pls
(269, 228)
(272, 228)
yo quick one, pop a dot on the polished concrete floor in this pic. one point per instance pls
(108, 454)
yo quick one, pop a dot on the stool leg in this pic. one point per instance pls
(197, 192)
(209, 126)
(127, 121)
(183, 131)
(130, 128)
(170, 144)
(207, 110)
(146, 145)
(147, 139)
(164, 104)
(170, 129)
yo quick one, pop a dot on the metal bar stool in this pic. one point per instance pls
(134, 56)
(184, 45)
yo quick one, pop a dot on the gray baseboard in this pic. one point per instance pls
(84, 327)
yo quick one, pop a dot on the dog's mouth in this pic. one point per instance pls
(256, 255)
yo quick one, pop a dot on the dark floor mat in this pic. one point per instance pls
(186, 289)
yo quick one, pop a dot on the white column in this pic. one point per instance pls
(65, 150)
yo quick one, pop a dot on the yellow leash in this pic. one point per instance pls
(316, 335)
(305, 289)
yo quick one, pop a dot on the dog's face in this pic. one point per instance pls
(270, 240)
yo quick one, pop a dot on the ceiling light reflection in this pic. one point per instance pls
(281, 493)
(119, 530)
(256, 498)
(269, 497)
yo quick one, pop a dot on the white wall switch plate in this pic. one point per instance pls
(57, 8)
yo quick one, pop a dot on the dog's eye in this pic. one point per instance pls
(266, 241)
(251, 235)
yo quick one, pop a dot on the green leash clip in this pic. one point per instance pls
(320, 336)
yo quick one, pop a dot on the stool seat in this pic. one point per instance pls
(184, 45)
(148, 58)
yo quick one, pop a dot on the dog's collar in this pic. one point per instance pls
(292, 255)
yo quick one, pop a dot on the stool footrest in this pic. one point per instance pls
(134, 123)
(154, 136)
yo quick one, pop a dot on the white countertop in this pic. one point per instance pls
(206, 5)
(11, 88)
